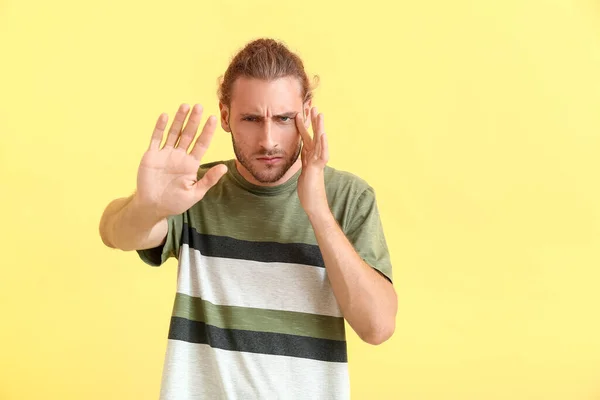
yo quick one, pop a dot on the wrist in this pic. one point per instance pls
(145, 211)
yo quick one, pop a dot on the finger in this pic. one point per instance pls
(324, 148)
(320, 124)
(191, 128)
(210, 179)
(204, 139)
(307, 120)
(318, 130)
(304, 158)
(176, 125)
(159, 130)
(313, 116)
(306, 140)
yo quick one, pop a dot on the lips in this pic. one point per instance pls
(269, 160)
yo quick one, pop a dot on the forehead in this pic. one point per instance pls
(257, 95)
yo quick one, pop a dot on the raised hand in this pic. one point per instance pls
(315, 155)
(167, 177)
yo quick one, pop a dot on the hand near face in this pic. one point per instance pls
(315, 155)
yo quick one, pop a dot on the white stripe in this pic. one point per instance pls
(198, 371)
(243, 283)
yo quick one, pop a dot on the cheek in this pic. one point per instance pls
(291, 144)
(242, 144)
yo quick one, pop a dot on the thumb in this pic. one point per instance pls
(210, 179)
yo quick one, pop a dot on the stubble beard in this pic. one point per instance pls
(268, 173)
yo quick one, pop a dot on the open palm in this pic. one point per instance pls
(167, 176)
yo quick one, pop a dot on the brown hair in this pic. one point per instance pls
(265, 59)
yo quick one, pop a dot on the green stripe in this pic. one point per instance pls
(259, 320)
(218, 214)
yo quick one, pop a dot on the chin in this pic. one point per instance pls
(269, 177)
(266, 174)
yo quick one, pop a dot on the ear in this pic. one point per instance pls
(307, 107)
(224, 117)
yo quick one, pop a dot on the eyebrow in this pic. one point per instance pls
(289, 114)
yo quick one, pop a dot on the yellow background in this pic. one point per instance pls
(477, 122)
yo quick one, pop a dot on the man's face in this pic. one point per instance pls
(265, 138)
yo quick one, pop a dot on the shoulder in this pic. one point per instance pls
(338, 181)
(350, 197)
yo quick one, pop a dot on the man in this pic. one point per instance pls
(274, 248)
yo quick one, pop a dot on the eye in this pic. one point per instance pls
(284, 119)
(251, 119)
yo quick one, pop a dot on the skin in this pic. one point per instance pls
(266, 119)
(261, 120)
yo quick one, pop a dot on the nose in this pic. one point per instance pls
(266, 136)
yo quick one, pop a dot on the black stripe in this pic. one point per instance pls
(258, 342)
(226, 247)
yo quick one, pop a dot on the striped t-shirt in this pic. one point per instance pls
(254, 315)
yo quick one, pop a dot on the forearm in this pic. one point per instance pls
(128, 225)
(367, 300)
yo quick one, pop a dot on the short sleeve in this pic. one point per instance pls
(158, 255)
(365, 232)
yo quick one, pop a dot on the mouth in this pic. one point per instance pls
(269, 160)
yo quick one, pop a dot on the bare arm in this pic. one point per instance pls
(167, 184)
(368, 300)
(126, 225)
